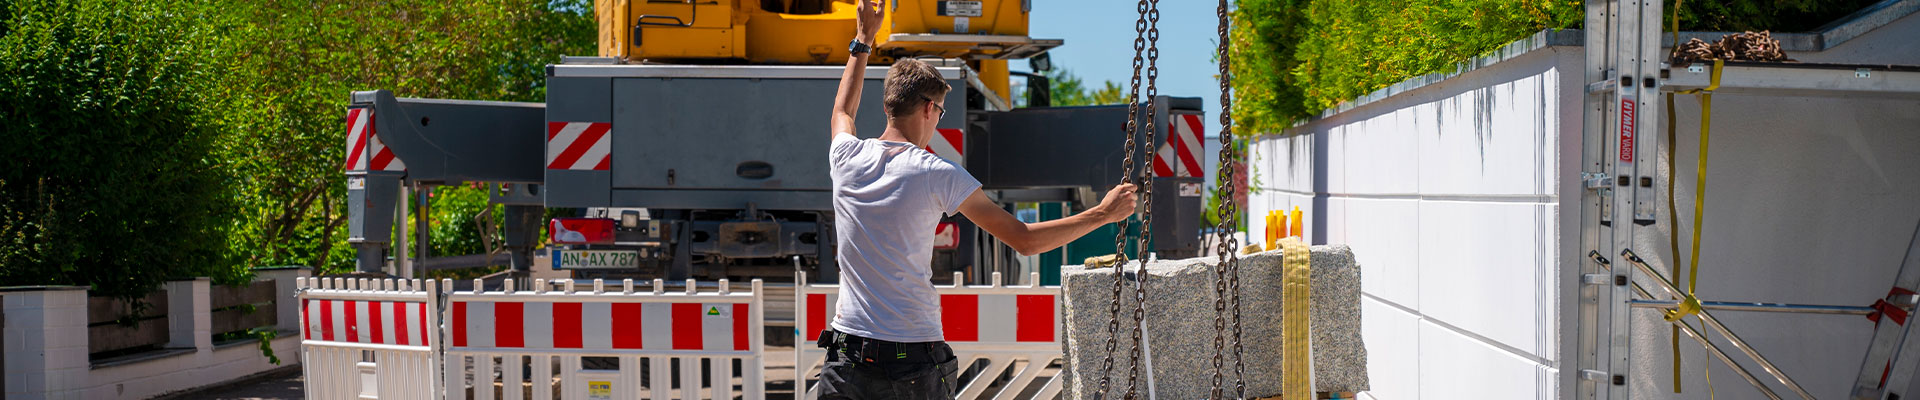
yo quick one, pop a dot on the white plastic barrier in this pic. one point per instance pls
(663, 332)
(1008, 326)
(369, 338)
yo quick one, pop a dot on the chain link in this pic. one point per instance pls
(1224, 189)
(1120, 234)
(1151, 12)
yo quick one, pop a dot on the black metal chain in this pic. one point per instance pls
(1151, 11)
(1120, 234)
(1229, 267)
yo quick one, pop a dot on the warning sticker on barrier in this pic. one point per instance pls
(600, 390)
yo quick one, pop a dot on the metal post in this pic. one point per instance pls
(1759, 307)
(420, 221)
(402, 264)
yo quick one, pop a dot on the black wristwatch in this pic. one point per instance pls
(858, 48)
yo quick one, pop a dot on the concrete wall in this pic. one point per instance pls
(46, 345)
(1449, 195)
(1459, 195)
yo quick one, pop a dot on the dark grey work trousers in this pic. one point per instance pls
(860, 369)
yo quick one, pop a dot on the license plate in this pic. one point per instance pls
(595, 259)
(958, 8)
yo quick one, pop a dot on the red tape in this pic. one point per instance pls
(1893, 312)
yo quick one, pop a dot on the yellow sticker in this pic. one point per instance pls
(600, 390)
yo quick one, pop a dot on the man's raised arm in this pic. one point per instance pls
(846, 103)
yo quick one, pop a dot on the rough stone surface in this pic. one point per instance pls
(1180, 326)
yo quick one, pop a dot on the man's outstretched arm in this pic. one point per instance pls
(846, 103)
(1040, 237)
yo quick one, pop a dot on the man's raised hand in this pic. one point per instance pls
(868, 24)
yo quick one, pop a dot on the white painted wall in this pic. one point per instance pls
(1448, 195)
(1460, 198)
(46, 345)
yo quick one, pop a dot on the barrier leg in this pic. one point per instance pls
(542, 378)
(453, 374)
(628, 386)
(510, 378)
(571, 385)
(722, 378)
(482, 377)
(689, 378)
(660, 377)
(753, 386)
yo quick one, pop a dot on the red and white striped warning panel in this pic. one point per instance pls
(365, 150)
(968, 318)
(403, 323)
(601, 326)
(949, 144)
(581, 146)
(1180, 156)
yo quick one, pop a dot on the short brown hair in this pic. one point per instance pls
(910, 82)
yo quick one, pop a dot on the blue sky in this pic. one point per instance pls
(1099, 36)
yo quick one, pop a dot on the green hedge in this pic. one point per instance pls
(1294, 58)
(106, 143)
(148, 139)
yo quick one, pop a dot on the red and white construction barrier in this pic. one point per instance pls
(345, 320)
(1000, 324)
(489, 327)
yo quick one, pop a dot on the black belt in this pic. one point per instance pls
(841, 346)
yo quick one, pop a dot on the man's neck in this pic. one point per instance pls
(895, 134)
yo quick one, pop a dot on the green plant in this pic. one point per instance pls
(109, 176)
(1294, 58)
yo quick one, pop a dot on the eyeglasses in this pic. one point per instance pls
(943, 110)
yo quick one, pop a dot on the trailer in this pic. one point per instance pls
(1512, 220)
(680, 156)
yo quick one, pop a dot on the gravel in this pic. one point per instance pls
(1180, 319)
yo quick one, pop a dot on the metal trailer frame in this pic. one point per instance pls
(445, 142)
(1625, 72)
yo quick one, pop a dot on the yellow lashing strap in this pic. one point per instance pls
(1295, 290)
(1689, 304)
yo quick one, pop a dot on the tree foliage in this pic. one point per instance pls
(1066, 89)
(107, 179)
(304, 60)
(171, 138)
(1294, 58)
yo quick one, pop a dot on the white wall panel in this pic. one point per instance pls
(1481, 271)
(1385, 237)
(1393, 350)
(1453, 366)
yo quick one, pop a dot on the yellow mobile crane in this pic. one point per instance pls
(986, 33)
(679, 141)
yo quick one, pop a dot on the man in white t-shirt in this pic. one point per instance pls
(888, 196)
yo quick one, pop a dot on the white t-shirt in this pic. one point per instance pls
(887, 199)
